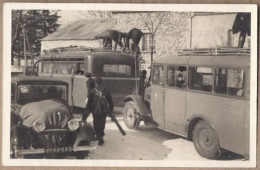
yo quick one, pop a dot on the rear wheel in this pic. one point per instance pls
(205, 140)
(131, 120)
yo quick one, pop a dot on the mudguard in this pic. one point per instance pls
(84, 134)
(142, 107)
(22, 136)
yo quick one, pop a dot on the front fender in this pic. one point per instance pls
(21, 136)
(193, 120)
(85, 133)
(142, 107)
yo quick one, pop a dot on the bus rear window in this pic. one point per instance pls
(229, 82)
(200, 78)
(62, 68)
(116, 70)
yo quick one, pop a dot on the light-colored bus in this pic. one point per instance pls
(118, 71)
(202, 95)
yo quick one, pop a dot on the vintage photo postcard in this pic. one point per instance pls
(129, 85)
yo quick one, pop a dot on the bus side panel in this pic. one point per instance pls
(175, 108)
(226, 116)
(157, 105)
(120, 87)
(247, 129)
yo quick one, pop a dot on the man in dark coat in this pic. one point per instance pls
(90, 83)
(100, 104)
(242, 24)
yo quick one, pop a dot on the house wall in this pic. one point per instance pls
(46, 45)
(168, 38)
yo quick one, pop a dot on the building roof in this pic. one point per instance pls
(82, 30)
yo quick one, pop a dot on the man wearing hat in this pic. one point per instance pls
(180, 81)
(100, 104)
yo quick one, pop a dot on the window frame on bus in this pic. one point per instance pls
(115, 74)
(243, 97)
(68, 60)
(152, 75)
(198, 90)
(185, 78)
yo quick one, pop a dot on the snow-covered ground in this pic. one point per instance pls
(146, 143)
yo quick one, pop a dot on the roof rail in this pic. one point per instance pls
(59, 50)
(219, 51)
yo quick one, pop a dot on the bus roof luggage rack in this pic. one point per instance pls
(219, 51)
(78, 48)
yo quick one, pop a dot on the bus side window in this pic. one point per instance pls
(158, 75)
(116, 70)
(47, 67)
(80, 69)
(171, 76)
(200, 78)
(229, 82)
(181, 77)
(176, 76)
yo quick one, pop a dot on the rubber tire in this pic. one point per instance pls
(207, 146)
(15, 148)
(82, 155)
(130, 119)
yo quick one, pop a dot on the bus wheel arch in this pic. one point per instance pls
(204, 138)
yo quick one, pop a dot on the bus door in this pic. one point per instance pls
(175, 99)
(157, 95)
(79, 91)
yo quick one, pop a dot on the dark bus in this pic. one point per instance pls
(119, 72)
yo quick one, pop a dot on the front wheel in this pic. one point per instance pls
(131, 120)
(15, 154)
(205, 140)
(82, 155)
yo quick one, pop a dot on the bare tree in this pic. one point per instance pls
(152, 21)
(172, 25)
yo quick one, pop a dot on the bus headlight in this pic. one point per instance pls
(38, 126)
(73, 124)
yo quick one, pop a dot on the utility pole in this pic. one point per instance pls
(192, 15)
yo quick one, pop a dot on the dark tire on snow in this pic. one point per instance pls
(205, 140)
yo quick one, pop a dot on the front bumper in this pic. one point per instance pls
(91, 147)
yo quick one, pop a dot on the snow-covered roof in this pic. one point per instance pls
(82, 30)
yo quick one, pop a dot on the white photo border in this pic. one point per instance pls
(8, 7)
